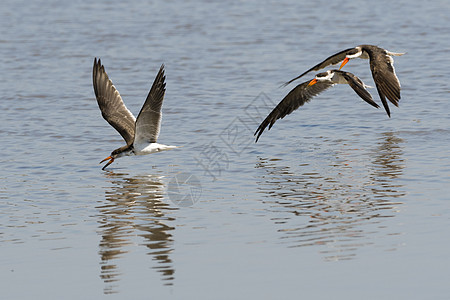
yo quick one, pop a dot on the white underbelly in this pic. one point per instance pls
(151, 148)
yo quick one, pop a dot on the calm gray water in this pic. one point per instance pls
(336, 201)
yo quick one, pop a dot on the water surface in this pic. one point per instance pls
(335, 201)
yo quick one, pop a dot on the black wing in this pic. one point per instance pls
(111, 104)
(386, 81)
(301, 94)
(148, 122)
(332, 60)
(358, 86)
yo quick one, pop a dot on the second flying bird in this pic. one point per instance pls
(383, 73)
(303, 93)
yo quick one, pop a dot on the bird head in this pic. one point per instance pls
(354, 53)
(322, 77)
(119, 152)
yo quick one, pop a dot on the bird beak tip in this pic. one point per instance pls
(314, 81)
(344, 62)
(111, 160)
(109, 157)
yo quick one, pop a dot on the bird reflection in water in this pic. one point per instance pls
(387, 166)
(340, 203)
(134, 213)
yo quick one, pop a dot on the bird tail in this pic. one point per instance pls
(172, 147)
(395, 53)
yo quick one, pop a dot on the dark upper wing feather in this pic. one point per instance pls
(148, 122)
(331, 60)
(301, 94)
(383, 100)
(386, 81)
(111, 104)
(358, 86)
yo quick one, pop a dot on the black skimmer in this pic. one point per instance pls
(139, 133)
(381, 65)
(303, 93)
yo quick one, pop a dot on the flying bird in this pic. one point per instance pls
(305, 91)
(139, 133)
(381, 65)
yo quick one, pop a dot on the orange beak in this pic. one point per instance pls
(344, 62)
(312, 82)
(111, 160)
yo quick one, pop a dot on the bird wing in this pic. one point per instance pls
(148, 122)
(358, 86)
(301, 94)
(386, 81)
(111, 104)
(332, 60)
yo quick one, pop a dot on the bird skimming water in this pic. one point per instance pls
(139, 133)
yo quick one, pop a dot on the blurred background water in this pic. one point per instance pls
(335, 201)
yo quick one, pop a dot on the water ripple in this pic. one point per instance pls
(134, 213)
(340, 205)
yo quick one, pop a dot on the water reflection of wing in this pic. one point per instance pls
(387, 165)
(133, 209)
(331, 205)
